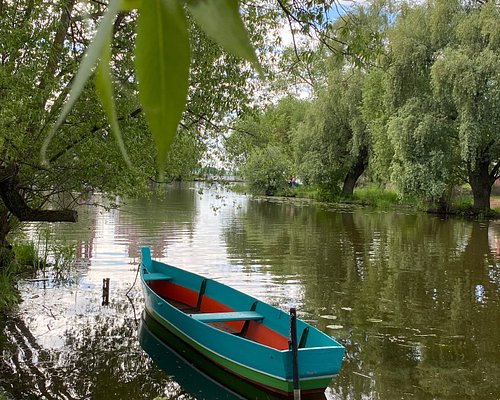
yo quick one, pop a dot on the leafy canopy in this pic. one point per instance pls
(162, 61)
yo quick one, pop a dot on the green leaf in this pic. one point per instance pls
(128, 5)
(85, 70)
(162, 58)
(104, 88)
(221, 20)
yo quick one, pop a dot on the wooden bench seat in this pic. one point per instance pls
(156, 276)
(228, 316)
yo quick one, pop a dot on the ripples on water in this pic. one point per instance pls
(414, 299)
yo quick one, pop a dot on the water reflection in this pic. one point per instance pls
(411, 296)
(415, 299)
(194, 382)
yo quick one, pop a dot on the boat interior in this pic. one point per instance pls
(249, 324)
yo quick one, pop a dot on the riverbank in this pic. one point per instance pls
(461, 205)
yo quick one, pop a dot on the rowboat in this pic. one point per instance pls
(245, 337)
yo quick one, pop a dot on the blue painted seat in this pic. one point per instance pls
(156, 276)
(228, 316)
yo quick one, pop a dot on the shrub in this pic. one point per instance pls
(267, 171)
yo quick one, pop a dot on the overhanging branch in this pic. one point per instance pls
(16, 204)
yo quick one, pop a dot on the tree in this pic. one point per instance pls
(444, 65)
(267, 171)
(40, 52)
(184, 156)
(424, 155)
(424, 161)
(465, 80)
(267, 134)
(333, 143)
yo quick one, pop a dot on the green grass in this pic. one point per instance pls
(8, 293)
(376, 197)
(315, 193)
(462, 204)
(26, 254)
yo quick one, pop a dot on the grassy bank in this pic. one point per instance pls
(375, 197)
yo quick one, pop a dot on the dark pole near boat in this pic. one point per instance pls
(295, 353)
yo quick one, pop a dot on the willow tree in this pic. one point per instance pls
(333, 143)
(466, 79)
(49, 106)
(420, 139)
(272, 126)
(440, 99)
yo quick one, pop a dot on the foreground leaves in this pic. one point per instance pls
(220, 19)
(162, 66)
(104, 88)
(162, 60)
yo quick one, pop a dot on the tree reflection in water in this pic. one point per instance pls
(411, 296)
(100, 359)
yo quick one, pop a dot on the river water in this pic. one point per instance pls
(415, 299)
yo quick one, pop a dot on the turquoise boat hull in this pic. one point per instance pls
(243, 336)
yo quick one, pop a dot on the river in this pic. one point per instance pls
(415, 299)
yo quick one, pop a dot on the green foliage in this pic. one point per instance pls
(274, 126)
(380, 198)
(101, 39)
(433, 116)
(333, 136)
(162, 61)
(26, 254)
(104, 89)
(222, 22)
(8, 294)
(261, 146)
(162, 65)
(375, 113)
(183, 157)
(238, 188)
(423, 161)
(64, 255)
(267, 171)
(463, 205)
(465, 81)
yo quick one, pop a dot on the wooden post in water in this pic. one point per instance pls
(295, 353)
(105, 291)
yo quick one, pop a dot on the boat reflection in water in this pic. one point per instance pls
(191, 379)
(198, 376)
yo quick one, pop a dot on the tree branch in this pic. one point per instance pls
(16, 204)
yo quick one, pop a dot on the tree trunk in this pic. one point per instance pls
(355, 172)
(481, 182)
(14, 201)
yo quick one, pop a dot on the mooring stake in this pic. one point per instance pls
(295, 353)
(105, 291)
